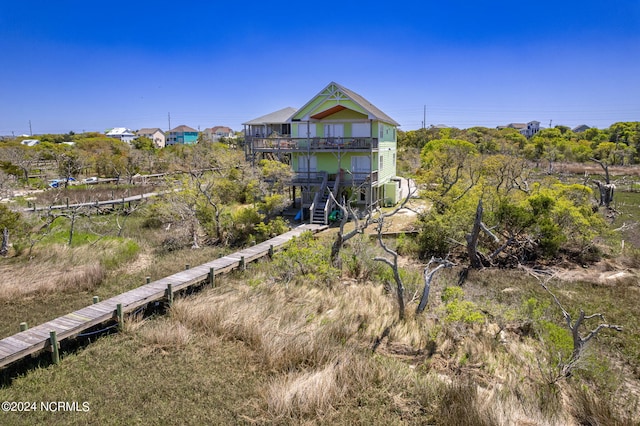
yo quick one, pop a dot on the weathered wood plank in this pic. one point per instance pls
(14, 341)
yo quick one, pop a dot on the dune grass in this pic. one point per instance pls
(293, 341)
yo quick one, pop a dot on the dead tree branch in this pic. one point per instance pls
(579, 341)
(428, 278)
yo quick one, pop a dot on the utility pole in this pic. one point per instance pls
(169, 116)
(30, 131)
(424, 117)
(550, 121)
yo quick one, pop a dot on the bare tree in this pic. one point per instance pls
(7, 184)
(341, 236)
(4, 246)
(40, 232)
(579, 340)
(21, 157)
(429, 274)
(606, 188)
(393, 263)
(472, 238)
(72, 213)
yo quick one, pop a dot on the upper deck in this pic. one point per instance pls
(290, 144)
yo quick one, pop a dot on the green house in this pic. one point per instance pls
(337, 142)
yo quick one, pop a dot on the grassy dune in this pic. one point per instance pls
(302, 353)
(294, 341)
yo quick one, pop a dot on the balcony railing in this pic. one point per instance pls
(346, 178)
(314, 144)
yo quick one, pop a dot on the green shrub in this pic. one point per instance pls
(459, 310)
(433, 239)
(304, 260)
(275, 227)
(407, 245)
(557, 339)
(450, 294)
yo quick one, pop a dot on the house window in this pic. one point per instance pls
(381, 162)
(360, 130)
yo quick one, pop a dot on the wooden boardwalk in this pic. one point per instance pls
(35, 339)
(97, 203)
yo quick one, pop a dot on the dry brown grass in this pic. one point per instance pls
(165, 335)
(316, 342)
(592, 168)
(58, 269)
(315, 392)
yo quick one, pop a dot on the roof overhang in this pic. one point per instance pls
(328, 112)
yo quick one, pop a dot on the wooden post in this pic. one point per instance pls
(96, 299)
(242, 264)
(119, 316)
(67, 202)
(24, 326)
(187, 266)
(212, 277)
(271, 250)
(148, 279)
(55, 351)
(169, 294)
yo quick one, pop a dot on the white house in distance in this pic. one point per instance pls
(214, 134)
(122, 133)
(529, 129)
(30, 142)
(155, 134)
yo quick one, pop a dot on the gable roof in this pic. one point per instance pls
(370, 109)
(120, 131)
(280, 116)
(580, 128)
(183, 129)
(149, 131)
(224, 129)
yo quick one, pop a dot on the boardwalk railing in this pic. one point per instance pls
(47, 336)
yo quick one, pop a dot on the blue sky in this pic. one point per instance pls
(87, 66)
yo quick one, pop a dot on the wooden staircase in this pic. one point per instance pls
(318, 213)
(323, 204)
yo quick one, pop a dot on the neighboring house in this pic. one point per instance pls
(183, 135)
(214, 134)
(338, 142)
(275, 123)
(122, 133)
(155, 134)
(529, 129)
(580, 128)
(30, 142)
